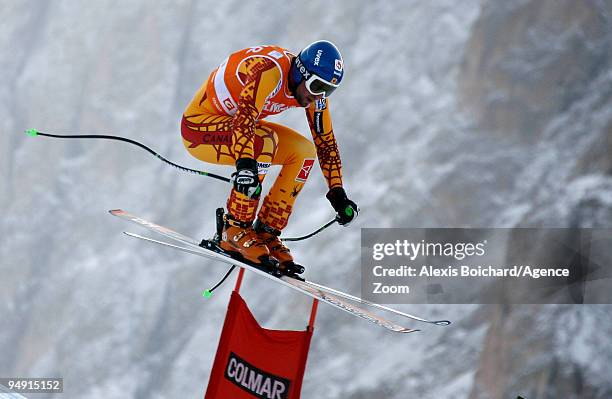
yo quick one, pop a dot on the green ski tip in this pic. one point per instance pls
(32, 132)
(207, 294)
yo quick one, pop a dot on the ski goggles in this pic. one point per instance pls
(317, 86)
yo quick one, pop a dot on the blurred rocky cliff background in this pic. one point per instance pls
(452, 114)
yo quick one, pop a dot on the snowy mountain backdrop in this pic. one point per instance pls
(452, 114)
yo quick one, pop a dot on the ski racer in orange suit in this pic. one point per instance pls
(224, 124)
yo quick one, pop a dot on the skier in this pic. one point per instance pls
(224, 124)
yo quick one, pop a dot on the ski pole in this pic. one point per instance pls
(349, 212)
(317, 231)
(34, 133)
(208, 293)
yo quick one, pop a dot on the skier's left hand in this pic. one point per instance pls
(346, 210)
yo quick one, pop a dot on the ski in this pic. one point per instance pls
(376, 305)
(289, 282)
(333, 297)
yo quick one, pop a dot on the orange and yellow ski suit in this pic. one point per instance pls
(224, 122)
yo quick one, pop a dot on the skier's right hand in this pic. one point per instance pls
(346, 210)
(246, 178)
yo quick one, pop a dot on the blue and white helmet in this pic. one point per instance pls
(321, 66)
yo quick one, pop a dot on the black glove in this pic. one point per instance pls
(246, 178)
(346, 209)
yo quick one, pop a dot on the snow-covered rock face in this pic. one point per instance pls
(528, 61)
(451, 114)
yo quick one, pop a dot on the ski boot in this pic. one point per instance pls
(278, 250)
(239, 240)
